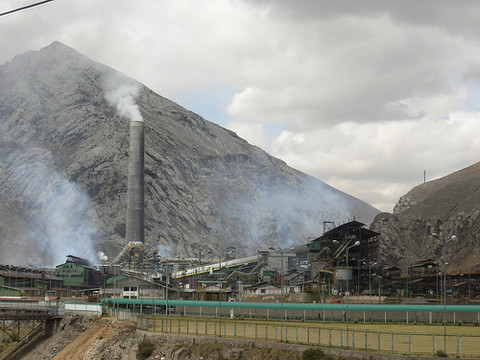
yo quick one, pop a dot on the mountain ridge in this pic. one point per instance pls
(425, 219)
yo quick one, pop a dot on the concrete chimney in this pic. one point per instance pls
(135, 227)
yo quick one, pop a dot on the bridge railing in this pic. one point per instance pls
(39, 307)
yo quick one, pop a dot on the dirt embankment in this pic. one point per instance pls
(77, 337)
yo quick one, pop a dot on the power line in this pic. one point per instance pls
(25, 7)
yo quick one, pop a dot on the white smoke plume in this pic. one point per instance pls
(59, 210)
(120, 92)
(102, 257)
(164, 250)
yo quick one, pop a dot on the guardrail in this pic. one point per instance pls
(43, 307)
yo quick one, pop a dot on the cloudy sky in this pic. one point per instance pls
(364, 95)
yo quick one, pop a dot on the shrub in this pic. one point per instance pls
(145, 349)
(441, 353)
(314, 354)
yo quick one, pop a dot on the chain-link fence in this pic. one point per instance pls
(357, 337)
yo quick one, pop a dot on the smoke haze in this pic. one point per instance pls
(59, 211)
(164, 251)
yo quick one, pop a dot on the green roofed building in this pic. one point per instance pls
(77, 273)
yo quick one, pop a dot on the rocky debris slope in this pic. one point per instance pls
(64, 123)
(428, 216)
(90, 338)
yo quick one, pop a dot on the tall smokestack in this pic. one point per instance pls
(135, 227)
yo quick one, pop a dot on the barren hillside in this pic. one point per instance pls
(429, 215)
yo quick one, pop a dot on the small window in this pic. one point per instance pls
(262, 291)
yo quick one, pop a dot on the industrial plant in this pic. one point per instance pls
(342, 262)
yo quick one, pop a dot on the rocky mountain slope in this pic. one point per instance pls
(64, 123)
(425, 219)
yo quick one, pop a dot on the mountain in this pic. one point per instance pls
(425, 219)
(64, 132)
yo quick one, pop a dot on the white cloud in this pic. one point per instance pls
(374, 161)
(368, 95)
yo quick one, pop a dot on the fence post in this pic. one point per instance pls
(170, 326)
(196, 327)
(179, 326)
(275, 332)
(234, 329)
(286, 333)
(434, 345)
(296, 334)
(378, 341)
(266, 331)
(341, 338)
(206, 328)
(409, 344)
(255, 330)
(215, 328)
(319, 340)
(188, 321)
(365, 334)
(393, 346)
(245, 330)
(353, 339)
(308, 335)
(329, 337)
(459, 341)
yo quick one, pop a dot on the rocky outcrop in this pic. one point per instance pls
(426, 218)
(64, 167)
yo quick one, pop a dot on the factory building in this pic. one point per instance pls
(129, 286)
(23, 281)
(77, 274)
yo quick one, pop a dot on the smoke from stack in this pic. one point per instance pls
(122, 93)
